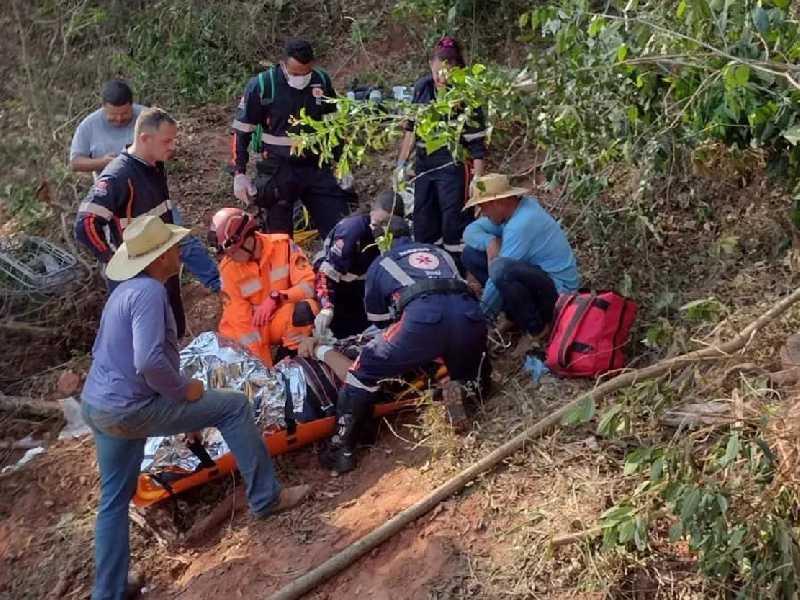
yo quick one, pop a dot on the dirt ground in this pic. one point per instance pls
(490, 541)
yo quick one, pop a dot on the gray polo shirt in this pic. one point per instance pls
(96, 137)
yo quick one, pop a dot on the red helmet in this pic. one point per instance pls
(230, 227)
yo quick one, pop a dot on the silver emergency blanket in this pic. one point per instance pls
(221, 363)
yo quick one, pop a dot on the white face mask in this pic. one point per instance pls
(297, 82)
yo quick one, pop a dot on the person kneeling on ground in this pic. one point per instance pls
(267, 286)
(135, 390)
(518, 252)
(347, 253)
(436, 316)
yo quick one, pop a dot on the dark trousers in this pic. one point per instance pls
(173, 285)
(528, 293)
(447, 326)
(439, 195)
(281, 182)
(349, 314)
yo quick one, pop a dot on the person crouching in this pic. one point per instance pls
(267, 286)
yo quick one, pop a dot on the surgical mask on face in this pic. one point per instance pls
(297, 82)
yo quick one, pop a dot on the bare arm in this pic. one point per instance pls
(406, 146)
(338, 362)
(84, 164)
(310, 347)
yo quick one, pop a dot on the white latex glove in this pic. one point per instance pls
(346, 182)
(399, 175)
(243, 188)
(322, 322)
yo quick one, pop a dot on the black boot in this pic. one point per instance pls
(339, 453)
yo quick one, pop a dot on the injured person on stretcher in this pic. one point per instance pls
(297, 392)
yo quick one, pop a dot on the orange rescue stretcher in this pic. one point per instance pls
(149, 490)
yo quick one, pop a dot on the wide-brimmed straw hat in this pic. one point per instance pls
(492, 186)
(144, 240)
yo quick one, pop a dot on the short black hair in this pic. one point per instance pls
(117, 93)
(398, 227)
(300, 50)
(391, 202)
(150, 120)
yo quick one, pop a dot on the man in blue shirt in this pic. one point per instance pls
(104, 135)
(135, 390)
(518, 252)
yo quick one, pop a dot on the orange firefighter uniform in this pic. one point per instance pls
(283, 268)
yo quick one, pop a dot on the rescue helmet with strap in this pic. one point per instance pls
(230, 228)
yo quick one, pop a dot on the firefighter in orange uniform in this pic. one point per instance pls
(267, 286)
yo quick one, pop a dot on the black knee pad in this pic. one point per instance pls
(302, 314)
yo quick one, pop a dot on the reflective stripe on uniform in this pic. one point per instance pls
(156, 211)
(379, 317)
(350, 277)
(250, 338)
(96, 209)
(468, 137)
(307, 288)
(279, 273)
(353, 381)
(395, 271)
(276, 140)
(250, 287)
(244, 127)
(454, 247)
(327, 269)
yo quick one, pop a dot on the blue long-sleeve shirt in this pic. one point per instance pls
(531, 235)
(135, 355)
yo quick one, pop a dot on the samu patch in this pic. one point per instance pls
(423, 260)
(101, 187)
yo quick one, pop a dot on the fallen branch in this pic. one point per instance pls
(572, 538)
(19, 327)
(29, 407)
(224, 510)
(349, 555)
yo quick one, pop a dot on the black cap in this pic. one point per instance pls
(300, 50)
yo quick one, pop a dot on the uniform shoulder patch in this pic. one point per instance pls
(426, 261)
(101, 187)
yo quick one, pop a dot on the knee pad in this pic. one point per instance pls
(302, 315)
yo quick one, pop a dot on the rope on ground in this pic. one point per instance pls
(349, 555)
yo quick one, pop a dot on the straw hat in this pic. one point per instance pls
(492, 186)
(144, 240)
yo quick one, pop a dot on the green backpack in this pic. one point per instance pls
(255, 141)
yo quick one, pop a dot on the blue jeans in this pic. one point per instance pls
(528, 293)
(119, 440)
(195, 256)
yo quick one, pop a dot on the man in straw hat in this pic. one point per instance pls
(135, 389)
(518, 252)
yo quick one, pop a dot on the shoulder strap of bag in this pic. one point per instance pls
(255, 141)
(326, 81)
(584, 303)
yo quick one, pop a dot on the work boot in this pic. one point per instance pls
(453, 394)
(133, 587)
(288, 499)
(338, 454)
